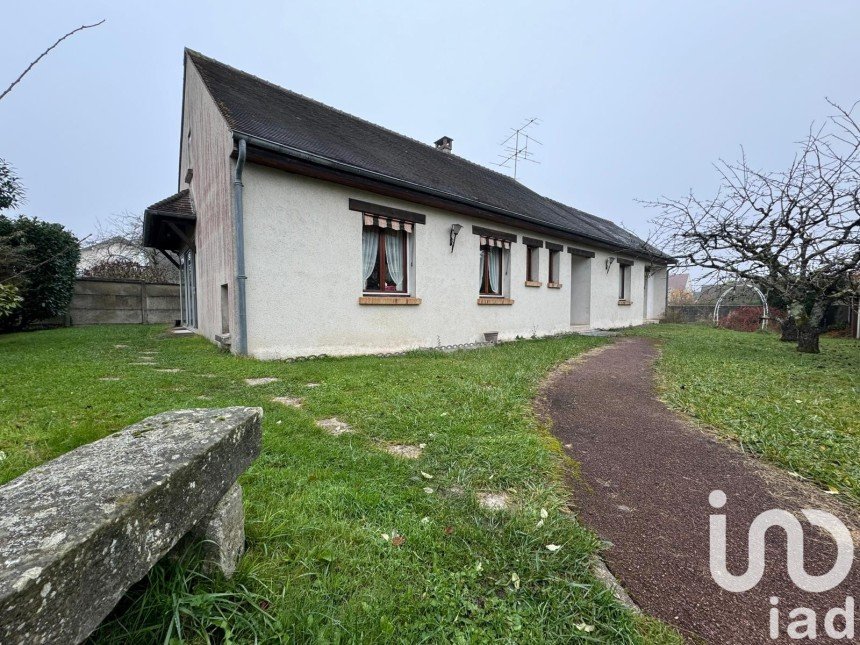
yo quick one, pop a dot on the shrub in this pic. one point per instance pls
(9, 299)
(749, 319)
(39, 260)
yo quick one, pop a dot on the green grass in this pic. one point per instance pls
(317, 568)
(799, 411)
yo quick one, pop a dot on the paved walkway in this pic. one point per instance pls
(646, 478)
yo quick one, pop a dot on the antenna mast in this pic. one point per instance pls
(516, 146)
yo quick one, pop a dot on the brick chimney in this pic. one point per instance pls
(444, 144)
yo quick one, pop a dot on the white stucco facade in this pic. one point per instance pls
(303, 248)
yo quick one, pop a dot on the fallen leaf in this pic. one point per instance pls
(428, 490)
(552, 548)
(516, 580)
(543, 514)
(449, 530)
(398, 540)
(539, 524)
(584, 627)
(426, 475)
(386, 537)
(425, 520)
(832, 491)
(422, 445)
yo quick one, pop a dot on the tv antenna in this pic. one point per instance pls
(516, 146)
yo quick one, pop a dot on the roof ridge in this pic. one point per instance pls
(281, 88)
(255, 106)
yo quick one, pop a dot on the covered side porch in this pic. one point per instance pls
(168, 226)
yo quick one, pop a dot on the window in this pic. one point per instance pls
(532, 271)
(491, 270)
(554, 262)
(385, 256)
(624, 273)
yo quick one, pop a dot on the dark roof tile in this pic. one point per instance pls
(261, 109)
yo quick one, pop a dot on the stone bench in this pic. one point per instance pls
(78, 531)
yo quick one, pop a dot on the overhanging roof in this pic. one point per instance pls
(169, 224)
(296, 126)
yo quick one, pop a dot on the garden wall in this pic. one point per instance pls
(102, 301)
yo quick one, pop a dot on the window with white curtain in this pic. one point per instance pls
(385, 255)
(492, 267)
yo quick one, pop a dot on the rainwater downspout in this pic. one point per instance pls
(239, 227)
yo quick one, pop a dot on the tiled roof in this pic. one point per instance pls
(679, 282)
(179, 205)
(255, 107)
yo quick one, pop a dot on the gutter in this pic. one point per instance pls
(355, 170)
(239, 230)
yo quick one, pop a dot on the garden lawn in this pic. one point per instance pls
(799, 411)
(318, 567)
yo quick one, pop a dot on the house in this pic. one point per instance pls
(302, 230)
(123, 259)
(680, 289)
(680, 283)
(113, 249)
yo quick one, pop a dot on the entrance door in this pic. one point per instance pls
(580, 290)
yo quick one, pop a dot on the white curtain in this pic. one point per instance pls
(394, 258)
(495, 273)
(481, 281)
(369, 251)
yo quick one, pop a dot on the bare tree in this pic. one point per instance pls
(794, 233)
(122, 255)
(45, 53)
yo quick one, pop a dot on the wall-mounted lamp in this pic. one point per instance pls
(609, 262)
(455, 230)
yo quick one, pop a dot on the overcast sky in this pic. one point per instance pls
(636, 99)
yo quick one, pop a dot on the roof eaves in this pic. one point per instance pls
(314, 158)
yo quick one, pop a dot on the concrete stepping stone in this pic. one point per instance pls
(263, 380)
(289, 401)
(313, 385)
(148, 353)
(148, 364)
(404, 450)
(494, 501)
(334, 426)
(120, 346)
(183, 332)
(169, 370)
(110, 378)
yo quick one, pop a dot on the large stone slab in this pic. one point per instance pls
(77, 532)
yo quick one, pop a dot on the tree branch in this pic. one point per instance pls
(45, 53)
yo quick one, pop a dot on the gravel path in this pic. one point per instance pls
(646, 475)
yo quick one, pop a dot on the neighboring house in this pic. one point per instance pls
(304, 230)
(680, 289)
(110, 250)
(741, 295)
(680, 282)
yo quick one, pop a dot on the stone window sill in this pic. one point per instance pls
(495, 301)
(388, 300)
(624, 303)
(533, 283)
(554, 285)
